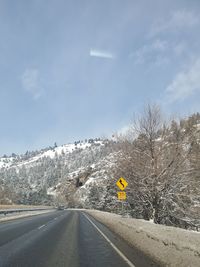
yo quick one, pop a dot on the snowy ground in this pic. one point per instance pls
(167, 245)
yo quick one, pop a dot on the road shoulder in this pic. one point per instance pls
(168, 246)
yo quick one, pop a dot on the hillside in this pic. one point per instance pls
(163, 175)
(50, 175)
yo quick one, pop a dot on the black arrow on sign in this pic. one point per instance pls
(121, 182)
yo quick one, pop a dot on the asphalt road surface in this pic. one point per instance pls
(67, 238)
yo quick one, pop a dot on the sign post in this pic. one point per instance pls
(122, 184)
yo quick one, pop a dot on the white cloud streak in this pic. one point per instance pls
(179, 19)
(150, 52)
(31, 82)
(185, 83)
(101, 54)
(159, 52)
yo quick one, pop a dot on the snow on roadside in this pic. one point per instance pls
(168, 246)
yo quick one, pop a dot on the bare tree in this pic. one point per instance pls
(154, 163)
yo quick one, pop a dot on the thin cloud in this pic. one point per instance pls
(185, 83)
(160, 45)
(101, 54)
(159, 52)
(180, 48)
(179, 19)
(150, 52)
(31, 82)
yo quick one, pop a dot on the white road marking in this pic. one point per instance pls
(41, 226)
(112, 245)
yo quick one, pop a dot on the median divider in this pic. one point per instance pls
(11, 214)
(7, 211)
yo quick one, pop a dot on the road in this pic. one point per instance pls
(67, 238)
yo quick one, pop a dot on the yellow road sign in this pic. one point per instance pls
(122, 183)
(121, 195)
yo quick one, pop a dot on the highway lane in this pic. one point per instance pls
(64, 238)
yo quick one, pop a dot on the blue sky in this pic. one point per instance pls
(76, 69)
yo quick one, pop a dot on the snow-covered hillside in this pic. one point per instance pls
(7, 162)
(53, 175)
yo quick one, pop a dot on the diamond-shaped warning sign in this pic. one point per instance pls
(122, 183)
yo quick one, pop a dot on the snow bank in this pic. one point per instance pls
(168, 246)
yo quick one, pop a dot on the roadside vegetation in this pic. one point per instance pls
(161, 162)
